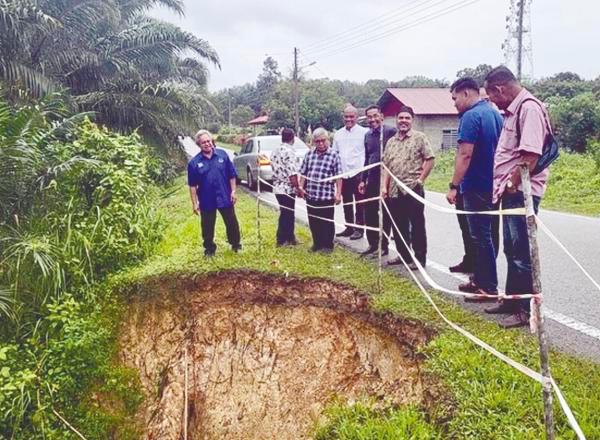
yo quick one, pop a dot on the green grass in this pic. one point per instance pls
(574, 184)
(486, 399)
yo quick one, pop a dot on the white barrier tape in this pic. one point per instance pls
(565, 407)
(343, 175)
(321, 207)
(511, 211)
(516, 365)
(435, 285)
(353, 225)
(549, 233)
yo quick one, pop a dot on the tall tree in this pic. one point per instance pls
(131, 70)
(477, 73)
(266, 82)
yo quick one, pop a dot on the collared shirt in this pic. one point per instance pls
(405, 158)
(480, 125)
(317, 166)
(350, 145)
(533, 134)
(372, 152)
(212, 178)
(285, 163)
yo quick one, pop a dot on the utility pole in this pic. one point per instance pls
(295, 77)
(229, 108)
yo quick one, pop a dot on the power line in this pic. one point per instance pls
(424, 19)
(383, 18)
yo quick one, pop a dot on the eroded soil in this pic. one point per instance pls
(264, 354)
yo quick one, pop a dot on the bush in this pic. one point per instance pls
(575, 120)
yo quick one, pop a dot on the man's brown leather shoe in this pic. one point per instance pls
(518, 319)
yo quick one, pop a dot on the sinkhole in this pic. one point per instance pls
(264, 353)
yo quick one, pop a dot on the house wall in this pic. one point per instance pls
(431, 125)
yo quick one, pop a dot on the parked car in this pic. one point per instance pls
(255, 158)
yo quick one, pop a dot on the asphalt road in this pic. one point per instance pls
(572, 302)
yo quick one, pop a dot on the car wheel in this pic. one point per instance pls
(250, 180)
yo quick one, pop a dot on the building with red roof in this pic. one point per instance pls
(435, 114)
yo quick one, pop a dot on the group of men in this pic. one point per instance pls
(486, 177)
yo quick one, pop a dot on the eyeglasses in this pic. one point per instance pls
(320, 141)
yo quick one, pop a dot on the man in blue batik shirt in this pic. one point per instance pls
(478, 134)
(211, 178)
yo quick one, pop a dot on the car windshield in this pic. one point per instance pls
(272, 142)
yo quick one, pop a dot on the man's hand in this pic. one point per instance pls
(233, 197)
(451, 196)
(362, 188)
(300, 192)
(196, 209)
(338, 198)
(384, 193)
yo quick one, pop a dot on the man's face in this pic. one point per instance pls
(497, 95)
(349, 119)
(374, 118)
(404, 122)
(321, 144)
(205, 143)
(461, 100)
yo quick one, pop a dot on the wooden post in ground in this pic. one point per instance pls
(258, 234)
(380, 201)
(536, 308)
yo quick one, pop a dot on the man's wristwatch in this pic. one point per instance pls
(510, 187)
(453, 186)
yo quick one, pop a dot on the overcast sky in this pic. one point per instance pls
(565, 36)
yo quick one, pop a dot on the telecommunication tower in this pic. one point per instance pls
(518, 51)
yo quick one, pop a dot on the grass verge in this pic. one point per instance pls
(574, 184)
(486, 398)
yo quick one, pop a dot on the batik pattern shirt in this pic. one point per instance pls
(405, 158)
(285, 163)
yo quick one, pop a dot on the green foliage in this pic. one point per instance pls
(576, 120)
(241, 115)
(574, 184)
(131, 70)
(362, 421)
(477, 73)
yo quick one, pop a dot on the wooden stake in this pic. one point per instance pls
(258, 234)
(185, 395)
(380, 201)
(537, 302)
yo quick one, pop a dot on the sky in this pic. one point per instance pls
(387, 39)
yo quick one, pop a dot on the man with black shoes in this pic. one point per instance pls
(211, 179)
(371, 179)
(348, 141)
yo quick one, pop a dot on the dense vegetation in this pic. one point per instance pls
(133, 71)
(78, 201)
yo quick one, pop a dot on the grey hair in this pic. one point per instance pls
(351, 109)
(200, 133)
(320, 132)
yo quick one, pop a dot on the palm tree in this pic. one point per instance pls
(126, 67)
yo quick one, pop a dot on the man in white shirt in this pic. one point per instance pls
(349, 142)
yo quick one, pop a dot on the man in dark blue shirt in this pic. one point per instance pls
(478, 134)
(211, 178)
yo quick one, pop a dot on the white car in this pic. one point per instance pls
(255, 158)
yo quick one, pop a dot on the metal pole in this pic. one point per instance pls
(380, 201)
(258, 234)
(537, 309)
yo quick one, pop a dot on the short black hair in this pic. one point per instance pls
(287, 135)
(371, 107)
(406, 109)
(465, 83)
(500, 75)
